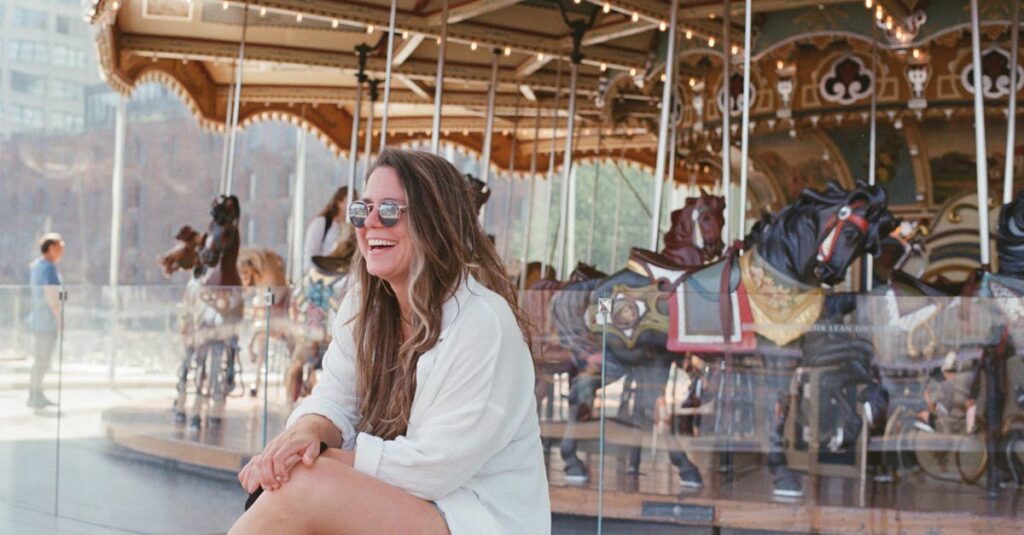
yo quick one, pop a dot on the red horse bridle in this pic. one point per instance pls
(845, 215)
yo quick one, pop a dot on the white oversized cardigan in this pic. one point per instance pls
(473, 441)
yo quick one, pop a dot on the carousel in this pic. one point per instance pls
(822, 330)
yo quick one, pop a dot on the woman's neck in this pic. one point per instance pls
(404, 305)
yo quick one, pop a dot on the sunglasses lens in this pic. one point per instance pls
(357, 214)
(389, 213)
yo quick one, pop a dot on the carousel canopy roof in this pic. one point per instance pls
(814, 62)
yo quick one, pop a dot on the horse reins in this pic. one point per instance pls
(835, 225)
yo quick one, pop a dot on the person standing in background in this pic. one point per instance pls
(44, 318)
(323, 232)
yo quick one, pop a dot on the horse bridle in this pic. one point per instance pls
(845, 215)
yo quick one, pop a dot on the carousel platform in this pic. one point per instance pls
(150, 429)
(740, 499)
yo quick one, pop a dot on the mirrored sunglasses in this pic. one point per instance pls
(388, 211)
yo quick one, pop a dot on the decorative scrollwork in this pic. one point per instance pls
(736, 94)
(847, 81)
(995, 73)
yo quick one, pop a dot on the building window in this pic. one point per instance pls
(28, 83)
(64, 121)
(64, 56)
(70, 26)
(27, 116)
(28, 51)
(65, 90)
(30, 18)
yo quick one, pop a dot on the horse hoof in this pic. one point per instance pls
(215, 420)
(576, 479)
(179, 418)
(252, 392)
(195, 423)
(788, 486)
(690, 479)
(576, 473)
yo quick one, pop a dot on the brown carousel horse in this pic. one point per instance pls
(731, 306)
(212, 312)
(264, 270)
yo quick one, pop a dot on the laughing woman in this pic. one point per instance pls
(425, 411)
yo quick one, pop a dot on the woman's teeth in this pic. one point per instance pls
(375, 243)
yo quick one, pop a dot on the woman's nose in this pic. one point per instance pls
(373, 218)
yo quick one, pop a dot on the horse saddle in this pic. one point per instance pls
(656, 267)
(708, 310)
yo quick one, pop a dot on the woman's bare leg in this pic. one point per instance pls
(334, 498)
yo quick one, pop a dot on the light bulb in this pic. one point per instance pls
(636, 16)
(607, 7)
(604, 67)
(689, 34)
(472, 46)
(663, 26)
(632, 72)
(508, 51)
(298, 17)
(369, 28)
(711, 42)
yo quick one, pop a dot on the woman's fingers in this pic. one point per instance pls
(311, 453)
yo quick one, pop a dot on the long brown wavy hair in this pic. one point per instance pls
(449, 244)
(331, 210)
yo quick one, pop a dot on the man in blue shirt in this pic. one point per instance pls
(44, 318)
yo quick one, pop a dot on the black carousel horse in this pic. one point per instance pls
(777, 281)
(213, 310)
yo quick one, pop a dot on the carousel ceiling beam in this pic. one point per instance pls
(468, 10)
(760, 6)
(423, 70)
(485, 35)
(532, 65)
(407, 48)
(611, 32)
(527, 92)
(414, 87)
(504, 102)
(655, 11)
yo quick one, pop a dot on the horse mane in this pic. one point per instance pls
(875, 197)
(1010, 237)
(268, 265)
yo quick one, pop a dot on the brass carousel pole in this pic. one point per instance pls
(529, 199)
(981, 164)
(593, 203)
(435, 131)
(545, 257)
(1011, 128)
(117, 190)
(236, 99)
(353, 164)
(869, 260)
(387, 80)
(511, 183)
(368, 146)
(727, 230)
(579, 27)
(616, 219)
(666, 113)
(485, 164)
(745, 126)
(567, 173)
